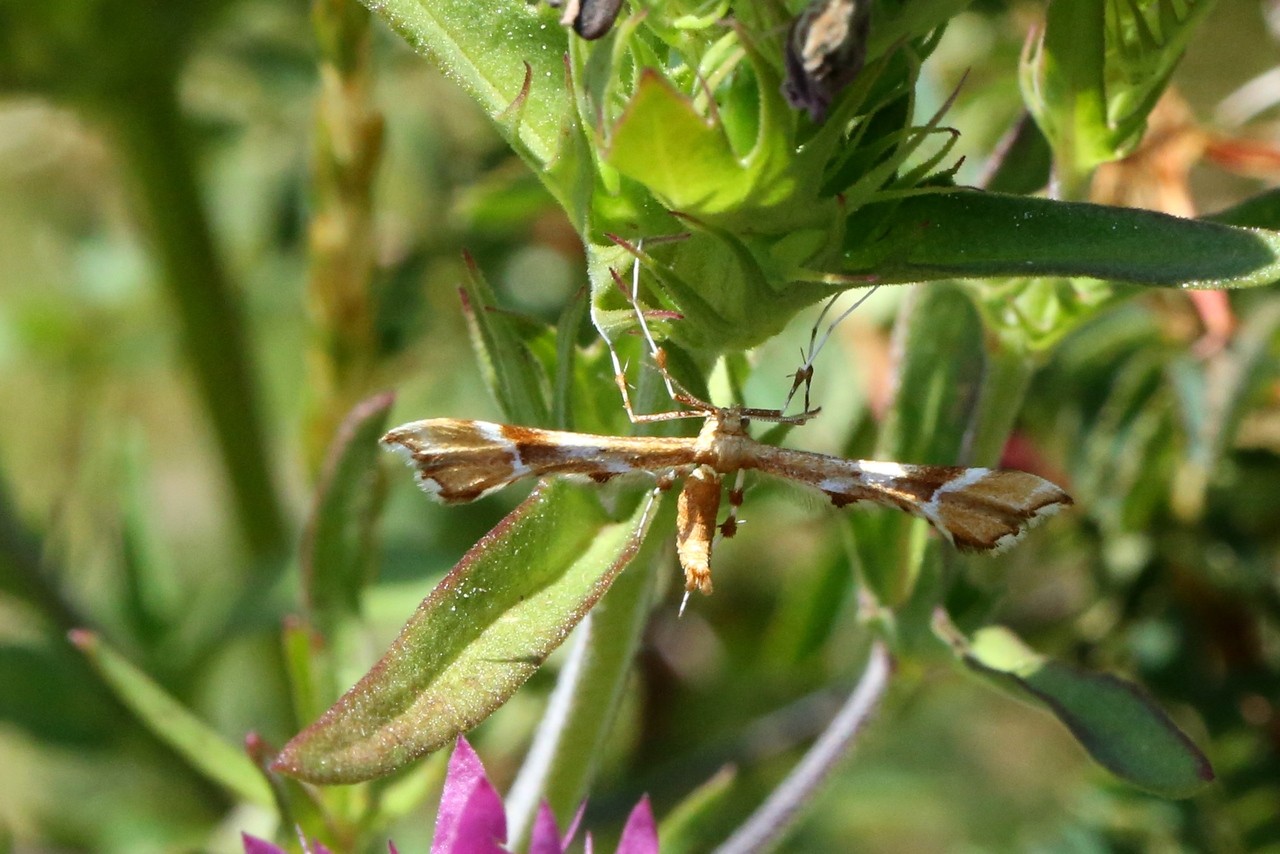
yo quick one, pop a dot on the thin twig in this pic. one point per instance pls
(778, 813)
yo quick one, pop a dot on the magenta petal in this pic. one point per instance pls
(254, 845)
(574, 825)
(470, 817)
(640, 836)
(391, 847)
(545, 838)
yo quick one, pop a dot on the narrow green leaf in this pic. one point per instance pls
(1212, 394)
(150, 596)
(481, 633)
(1261, 211)
(693, 824)
(308, 679)
(1023, 160)
(1116, 721)
(1063, 85)
(514, 377)
(336, 550)
(939, 337)
(203, 748)
(568, 326)
(971, 234)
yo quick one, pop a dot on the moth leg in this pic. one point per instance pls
(731, 522)
(697, 408)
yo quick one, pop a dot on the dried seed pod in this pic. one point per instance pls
(825, 51)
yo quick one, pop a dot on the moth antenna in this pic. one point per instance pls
(804, 374)
(659, 357)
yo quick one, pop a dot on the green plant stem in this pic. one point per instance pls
(1006, 376)
(153, 142)
(579, 718)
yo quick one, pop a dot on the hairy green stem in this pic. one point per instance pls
(564, 756)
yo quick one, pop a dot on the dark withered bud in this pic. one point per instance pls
(825, 51)
(590, 19)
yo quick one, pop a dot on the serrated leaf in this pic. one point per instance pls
(173, 723)
(337, 543)
(481, 633)
(1116, 721)
(971, 234)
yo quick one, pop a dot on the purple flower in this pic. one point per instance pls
(254, 845)
(471, 816)
(471, 819)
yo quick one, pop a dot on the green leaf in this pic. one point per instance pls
(1023, 160)
(513, 376)
(1116, 721)
(1064, 87)
(579, 718)
(971, 234)
(203, 748)
(481, 633)
(693, 824)
(150, 591)
(490, 57)
(688, 162)
(1213, 394)
(568, 327)
(1099, 69)
(337, 546)
(940, 339)
(1261, 211)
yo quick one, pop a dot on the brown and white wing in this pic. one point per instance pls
(976, 509)
(457, 461)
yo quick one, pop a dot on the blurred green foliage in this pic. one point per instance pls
(222, 225)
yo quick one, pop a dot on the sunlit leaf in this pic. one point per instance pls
(481, 633)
